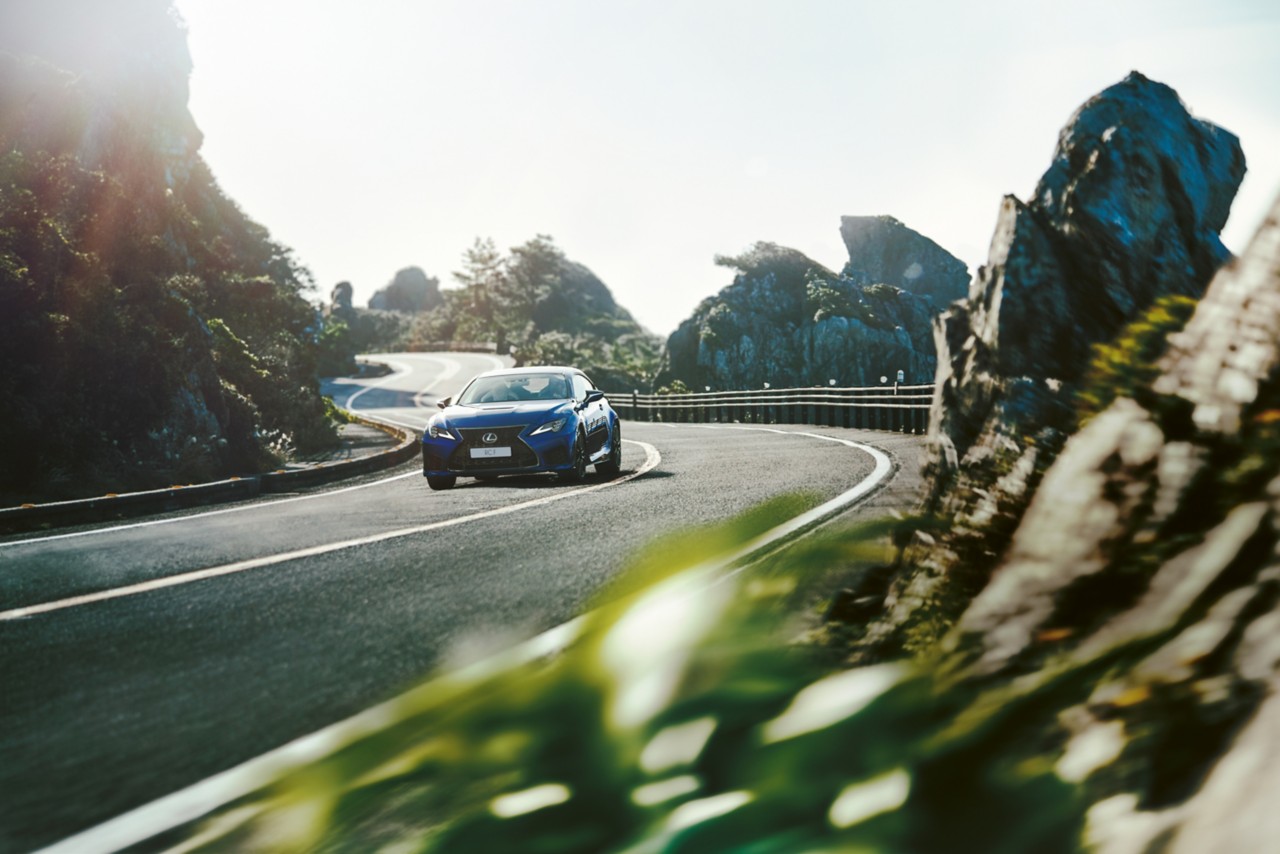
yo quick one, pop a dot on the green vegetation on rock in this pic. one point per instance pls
(151, 333)
(789, 321)
(1128, 365)
(532, 302)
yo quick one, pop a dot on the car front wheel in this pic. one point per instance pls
(441, 481)
(611, 465)
(579, 471)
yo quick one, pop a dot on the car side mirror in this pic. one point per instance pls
(593, 395)
(444, 401)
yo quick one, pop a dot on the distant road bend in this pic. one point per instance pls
(141, 658)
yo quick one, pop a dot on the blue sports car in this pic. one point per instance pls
(519, 421)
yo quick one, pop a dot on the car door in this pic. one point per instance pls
(594, 415)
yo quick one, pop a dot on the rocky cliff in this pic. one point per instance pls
(789, 321)
(1138, 603)
(883, 250)
(410, 290)
(1128, 212)
(1111, 611)
(151, 332)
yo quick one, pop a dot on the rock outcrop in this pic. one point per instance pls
(154, 333)
(1129, 211)
(789, 321)
(410, 291)
(1145, 575)
(883, 250)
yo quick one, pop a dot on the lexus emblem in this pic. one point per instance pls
(489, 438)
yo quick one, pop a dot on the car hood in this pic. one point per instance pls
(504, 414)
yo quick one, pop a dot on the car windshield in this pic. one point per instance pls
(511, 388)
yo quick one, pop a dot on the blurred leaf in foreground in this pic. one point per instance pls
(677, 718)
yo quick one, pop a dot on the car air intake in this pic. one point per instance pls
(522, 456)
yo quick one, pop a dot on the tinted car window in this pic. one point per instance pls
(517, 387)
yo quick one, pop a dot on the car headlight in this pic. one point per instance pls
(437, 429)
(550, 427)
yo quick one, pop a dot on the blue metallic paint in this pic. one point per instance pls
(553, 450)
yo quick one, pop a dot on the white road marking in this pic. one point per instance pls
(652, 459)
(377, 414)
(200, 799)
(401, 370)
(240, 508)
(452, 366)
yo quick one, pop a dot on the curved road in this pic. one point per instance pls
(138, 659)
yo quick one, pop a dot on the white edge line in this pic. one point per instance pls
(239, 508)
(451, 369)
(258, 505)
(652, 459)
(398, 368)
(199, 799)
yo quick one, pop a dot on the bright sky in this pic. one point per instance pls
(646, 137)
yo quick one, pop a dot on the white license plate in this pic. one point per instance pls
(489, 453)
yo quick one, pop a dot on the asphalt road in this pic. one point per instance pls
(138, 659)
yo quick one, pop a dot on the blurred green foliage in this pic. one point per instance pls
(679, 718)
(1127, 365)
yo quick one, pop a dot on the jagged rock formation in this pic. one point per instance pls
(410, 291)
(1145, 574)
(340, 299)
(1128, 211)
(883, 250)
(789, 321)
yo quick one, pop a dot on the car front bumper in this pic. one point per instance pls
(542, 453)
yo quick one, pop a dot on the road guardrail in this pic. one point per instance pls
(54, 514)
(898, 408)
